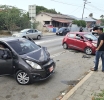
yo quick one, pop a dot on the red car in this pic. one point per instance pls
(83, 41)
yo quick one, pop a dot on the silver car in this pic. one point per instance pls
(31, 33)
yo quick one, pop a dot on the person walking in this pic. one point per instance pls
(99, 50)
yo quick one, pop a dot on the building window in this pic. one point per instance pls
(47, 22)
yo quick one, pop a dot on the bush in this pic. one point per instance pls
(80, 23)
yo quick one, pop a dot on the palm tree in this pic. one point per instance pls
(102, 16)
(91, 15)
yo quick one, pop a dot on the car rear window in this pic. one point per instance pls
(71, 35)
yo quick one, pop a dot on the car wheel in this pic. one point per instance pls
(65, 46)
(88, 51)
(24, 37)
(38, 37)
(22, 77)
(56, 33)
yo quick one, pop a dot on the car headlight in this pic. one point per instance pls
(33, 65)
(94, 44)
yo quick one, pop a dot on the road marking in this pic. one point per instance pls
(67, 96)
(40, 42)
(57, 54)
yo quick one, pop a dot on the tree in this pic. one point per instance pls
(102, 22)
(12, 18)
(80, 23)
(40, 9)
(102, 16)
(91, 15)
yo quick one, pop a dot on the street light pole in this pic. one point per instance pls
(84, 8)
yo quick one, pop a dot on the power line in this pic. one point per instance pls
(75, 10)
(65, 3)
(96, 7)
(91, 11)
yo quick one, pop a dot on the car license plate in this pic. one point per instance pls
(51, 69)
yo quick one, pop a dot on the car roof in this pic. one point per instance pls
(7, 39)
(82, 33)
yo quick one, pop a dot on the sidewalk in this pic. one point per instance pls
(92, 83)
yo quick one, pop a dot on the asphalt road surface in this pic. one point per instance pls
(70, 65)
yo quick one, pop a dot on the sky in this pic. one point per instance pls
(69, 7)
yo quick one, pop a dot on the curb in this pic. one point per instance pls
(67, 96)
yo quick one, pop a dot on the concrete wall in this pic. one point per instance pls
(75, 28)
(41, 18)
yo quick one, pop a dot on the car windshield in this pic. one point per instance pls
(23, 31)
(90, 36)
(61, 29)
(23, 46)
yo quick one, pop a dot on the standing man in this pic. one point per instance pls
(99, 50)
(81, 29)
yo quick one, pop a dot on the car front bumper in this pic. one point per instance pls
(46, 72)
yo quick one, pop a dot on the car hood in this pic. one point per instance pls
(40, 56)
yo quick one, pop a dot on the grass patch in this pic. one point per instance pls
(98, 96)
(3, 32)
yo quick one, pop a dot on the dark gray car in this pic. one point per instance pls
(63, 31)
(24, 59)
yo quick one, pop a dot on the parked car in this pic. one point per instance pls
(31, 33)
(83, 41)
(25, 59)
(63, 31)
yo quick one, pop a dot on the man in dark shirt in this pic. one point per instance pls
(95, 30)
(99, 50)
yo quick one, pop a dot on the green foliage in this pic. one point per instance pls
(99, 96)
(12, 18)
(102, 22)
(80, 23)
(40, 9)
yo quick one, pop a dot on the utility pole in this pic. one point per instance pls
(85, 2)
(84, 8)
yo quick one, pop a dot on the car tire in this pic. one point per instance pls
(88, 50)
(38, 37)
(56, 33)
(65, 46)
(24, 37)
(22, 77)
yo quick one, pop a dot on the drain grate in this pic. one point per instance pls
(71, 82)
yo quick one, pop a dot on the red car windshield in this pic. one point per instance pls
(90, 36)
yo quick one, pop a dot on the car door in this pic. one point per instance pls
(6, 65)
(79, 42)
(71, 40)
(35, 33)
(29, 33)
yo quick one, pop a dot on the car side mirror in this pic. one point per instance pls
(7, 54)
(27, 32)
(82, 40)
(39, 46)
(89, 39)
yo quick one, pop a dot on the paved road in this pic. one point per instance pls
(70, 66)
